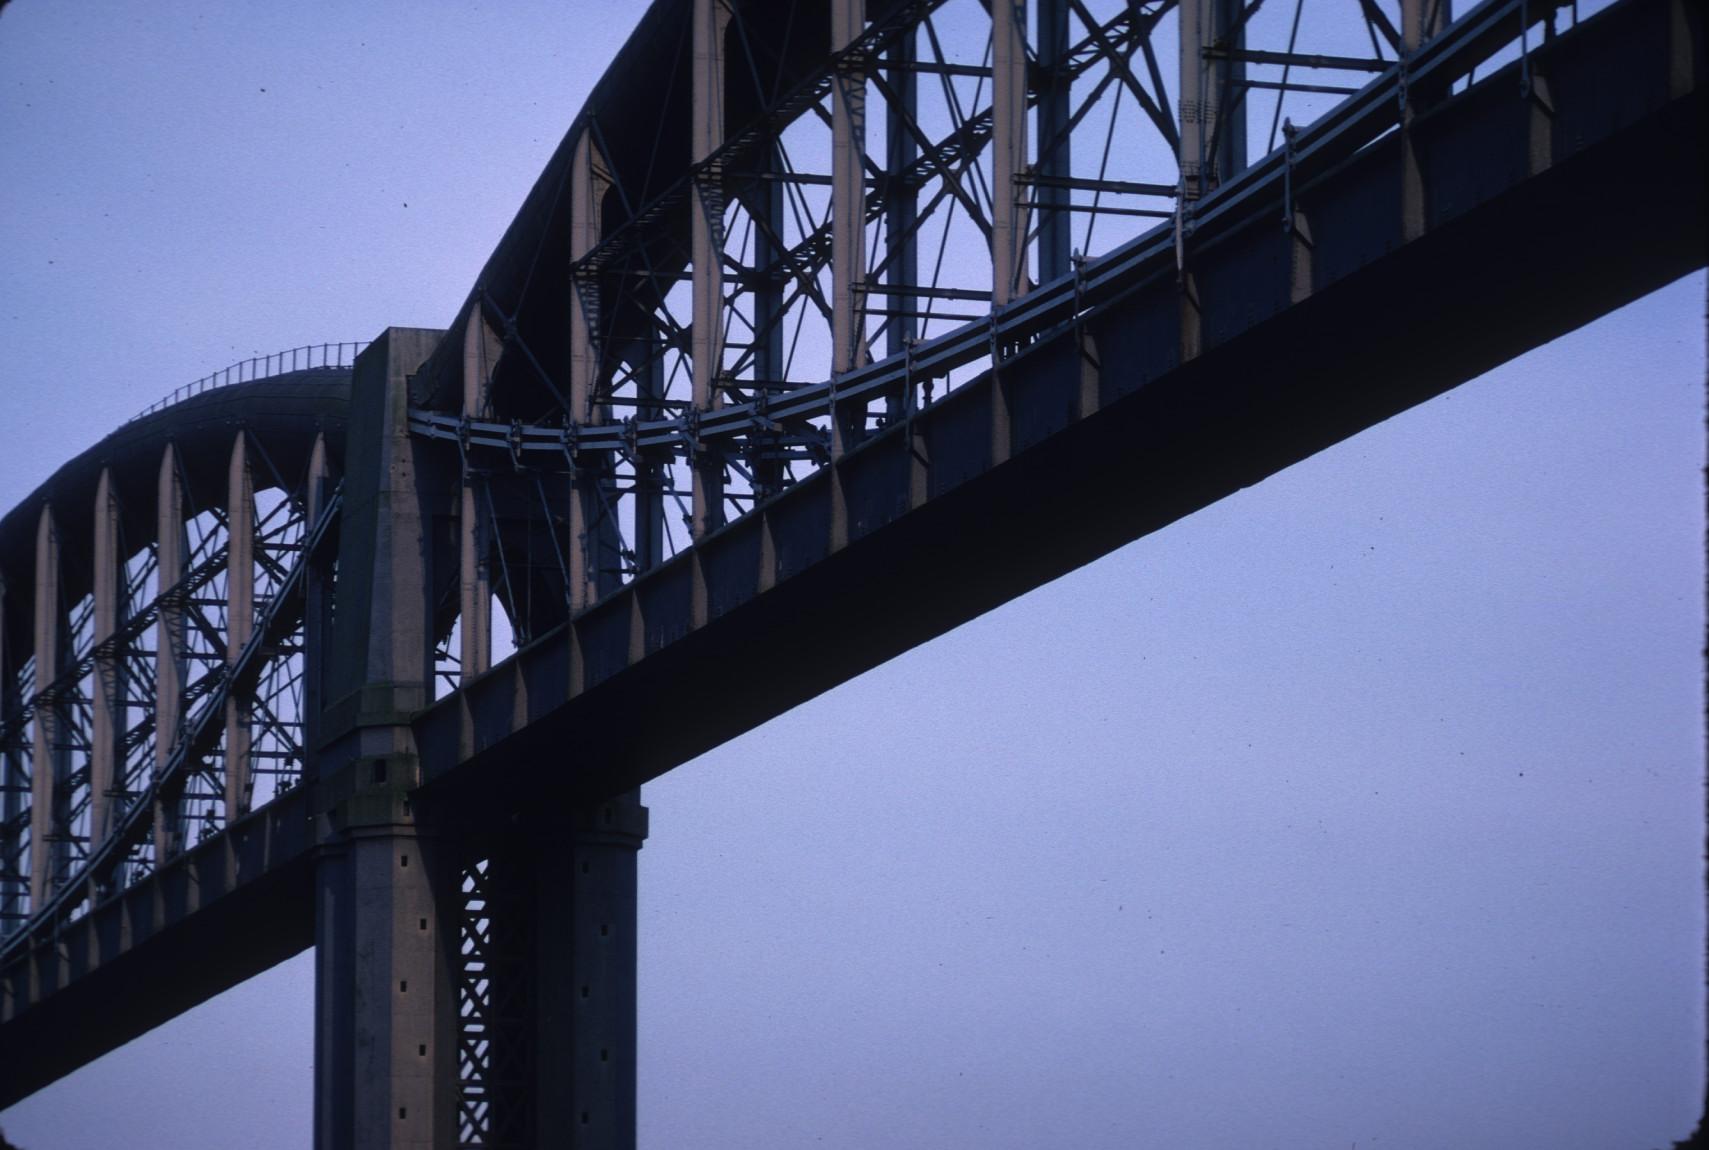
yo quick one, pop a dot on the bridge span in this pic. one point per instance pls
(713, 428)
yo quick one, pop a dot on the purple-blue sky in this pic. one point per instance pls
(1363, 807)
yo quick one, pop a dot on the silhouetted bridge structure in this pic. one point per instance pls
(828, 327)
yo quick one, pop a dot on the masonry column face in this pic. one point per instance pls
(385, 918)
(585, 936)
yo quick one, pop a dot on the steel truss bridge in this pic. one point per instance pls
(828, 327)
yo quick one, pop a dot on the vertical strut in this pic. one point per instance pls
(108, 701)
(711, 19)
(1008, 150)
(765, 204)
(1213, 113)
(47, 847)
(169, 661)
(240, 620)
(317, 602)
(848, 192)
(475, 598)
(1055, 106)
(901, 192)
(11, 779)
(1420, 20)
(588, 184)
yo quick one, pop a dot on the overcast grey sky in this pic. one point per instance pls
(1364, 807)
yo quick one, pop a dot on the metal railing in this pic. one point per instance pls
(314, 355)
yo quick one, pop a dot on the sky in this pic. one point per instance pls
(1363, 808)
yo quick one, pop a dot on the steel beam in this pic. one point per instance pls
(169, 662)
(317, 604)
(848, 192)
(1055, 107)
(107, 722)
(706, 255)
(1009, 278)
(901, 192)
(589, 181)
(240, 620)
(47, 844)
(474, 544)
(12, 782)
(1212, 111)
(1420, 21)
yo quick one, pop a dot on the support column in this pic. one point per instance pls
(585, 938)
(317, 604)
(169, 661)
(107, 720)
(1213, 114)
(765, 204)
(47, 855)
(240, 620)
(1055, 107)
(1008, 150)
(12, 785)
(475, 598)
(649, 541)
(901, 194)
(706, 254)
(848, 246)
(385, 907)
(589, 183)
(1420, 20)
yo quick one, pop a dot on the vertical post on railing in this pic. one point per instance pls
(589, 182)
(240, 620)
(1008, 150)
(47, 843)
(169, 658)
(711, 19)
(107, 718)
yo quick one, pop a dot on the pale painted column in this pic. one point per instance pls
(240, 620)
(589, 182)
(11, 774)
(44, 767)
(316, 601)
(711, 18)
(480, 355)
(108, 703)
(848, 195)
(169, 669)
(1008, 150)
